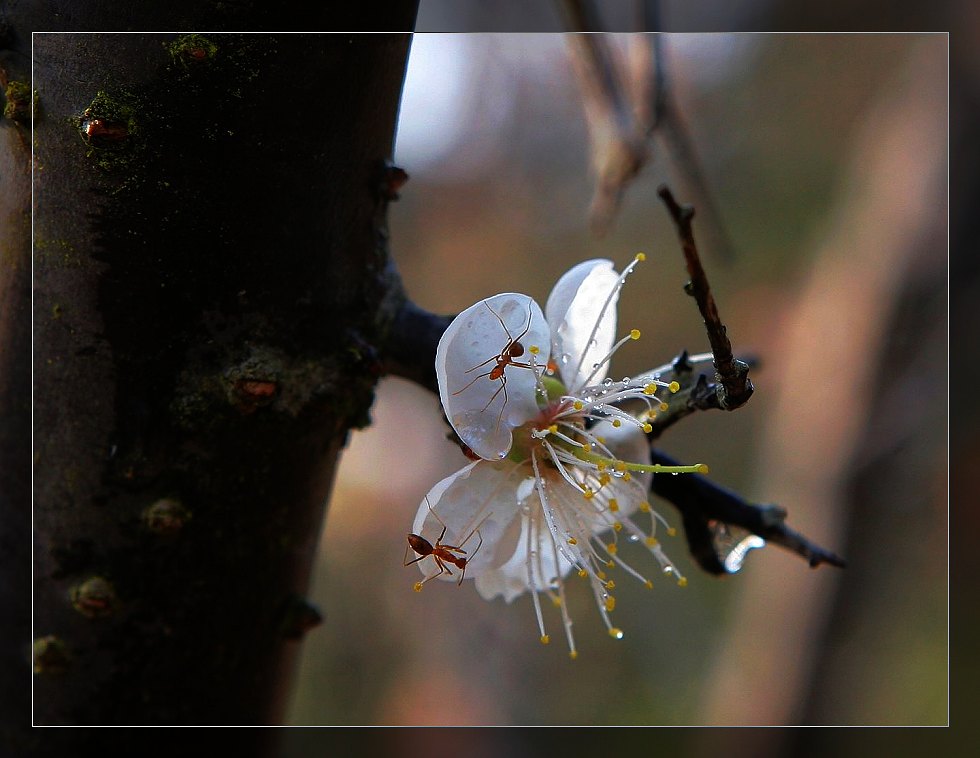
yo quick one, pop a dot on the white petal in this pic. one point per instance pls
(484, 411)
(476, 507)
(582, 313)
(534, 562)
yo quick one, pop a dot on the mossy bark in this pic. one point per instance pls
(211, 282)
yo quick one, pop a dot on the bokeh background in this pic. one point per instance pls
(827, 157)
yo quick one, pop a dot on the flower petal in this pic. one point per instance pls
(476, 507)
(581, 311)
(485, 391)
(534, 561)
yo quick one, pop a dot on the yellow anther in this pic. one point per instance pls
(648, 584)
(641, 257)
(651, 542)
(647, 428)
(664, 407)
(702, 468)
(556, 601)
(619, 466)
(417, 586)
(645, 507)
(617, 526)
(604, 479)
(671, 532)
(601, 466)
(610, 585)
(627, 476)
(553, 428)
(588, 494)
(545, 639)
(578, 405)
(610, 604)
(650, 389)
(601, 575)
(610, 563)
(583, 573)
(601, 441)
(674, 387)
(634, 334)
(617, 423)
(616, 634)
(613, 504)
(611, 548)
(534, 349)
(572, 541)
(682, 582)
(573, 654)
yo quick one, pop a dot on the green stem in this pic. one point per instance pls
(650, 468)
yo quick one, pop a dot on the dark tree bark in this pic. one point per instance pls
(212, 290)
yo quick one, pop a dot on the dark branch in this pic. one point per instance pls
(698, 389)
(410, 351)
(705, 507)
(735, 387)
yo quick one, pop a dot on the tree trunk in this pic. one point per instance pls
(211, 290)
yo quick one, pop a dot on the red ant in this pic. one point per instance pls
(513, 349)
(443, 554)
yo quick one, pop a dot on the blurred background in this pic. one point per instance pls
(827, 157)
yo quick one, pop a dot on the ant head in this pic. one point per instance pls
(419, 544)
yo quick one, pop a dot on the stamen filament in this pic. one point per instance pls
(648, 468)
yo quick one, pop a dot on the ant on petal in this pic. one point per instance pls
(443, 554)
(511, 350)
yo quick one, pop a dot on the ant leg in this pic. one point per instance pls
(503, 386)
(474, 380)
(442, 570)
(467, 561)
(415, 560)
(478, 365)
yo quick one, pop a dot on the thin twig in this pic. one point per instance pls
(618, 144)
(705, 506)
(736, 388)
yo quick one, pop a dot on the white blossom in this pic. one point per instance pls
(559, 479)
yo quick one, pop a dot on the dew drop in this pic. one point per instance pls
(594, 343)
(634, 538)
(564, 358)
(607, 383)
(668, 570)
